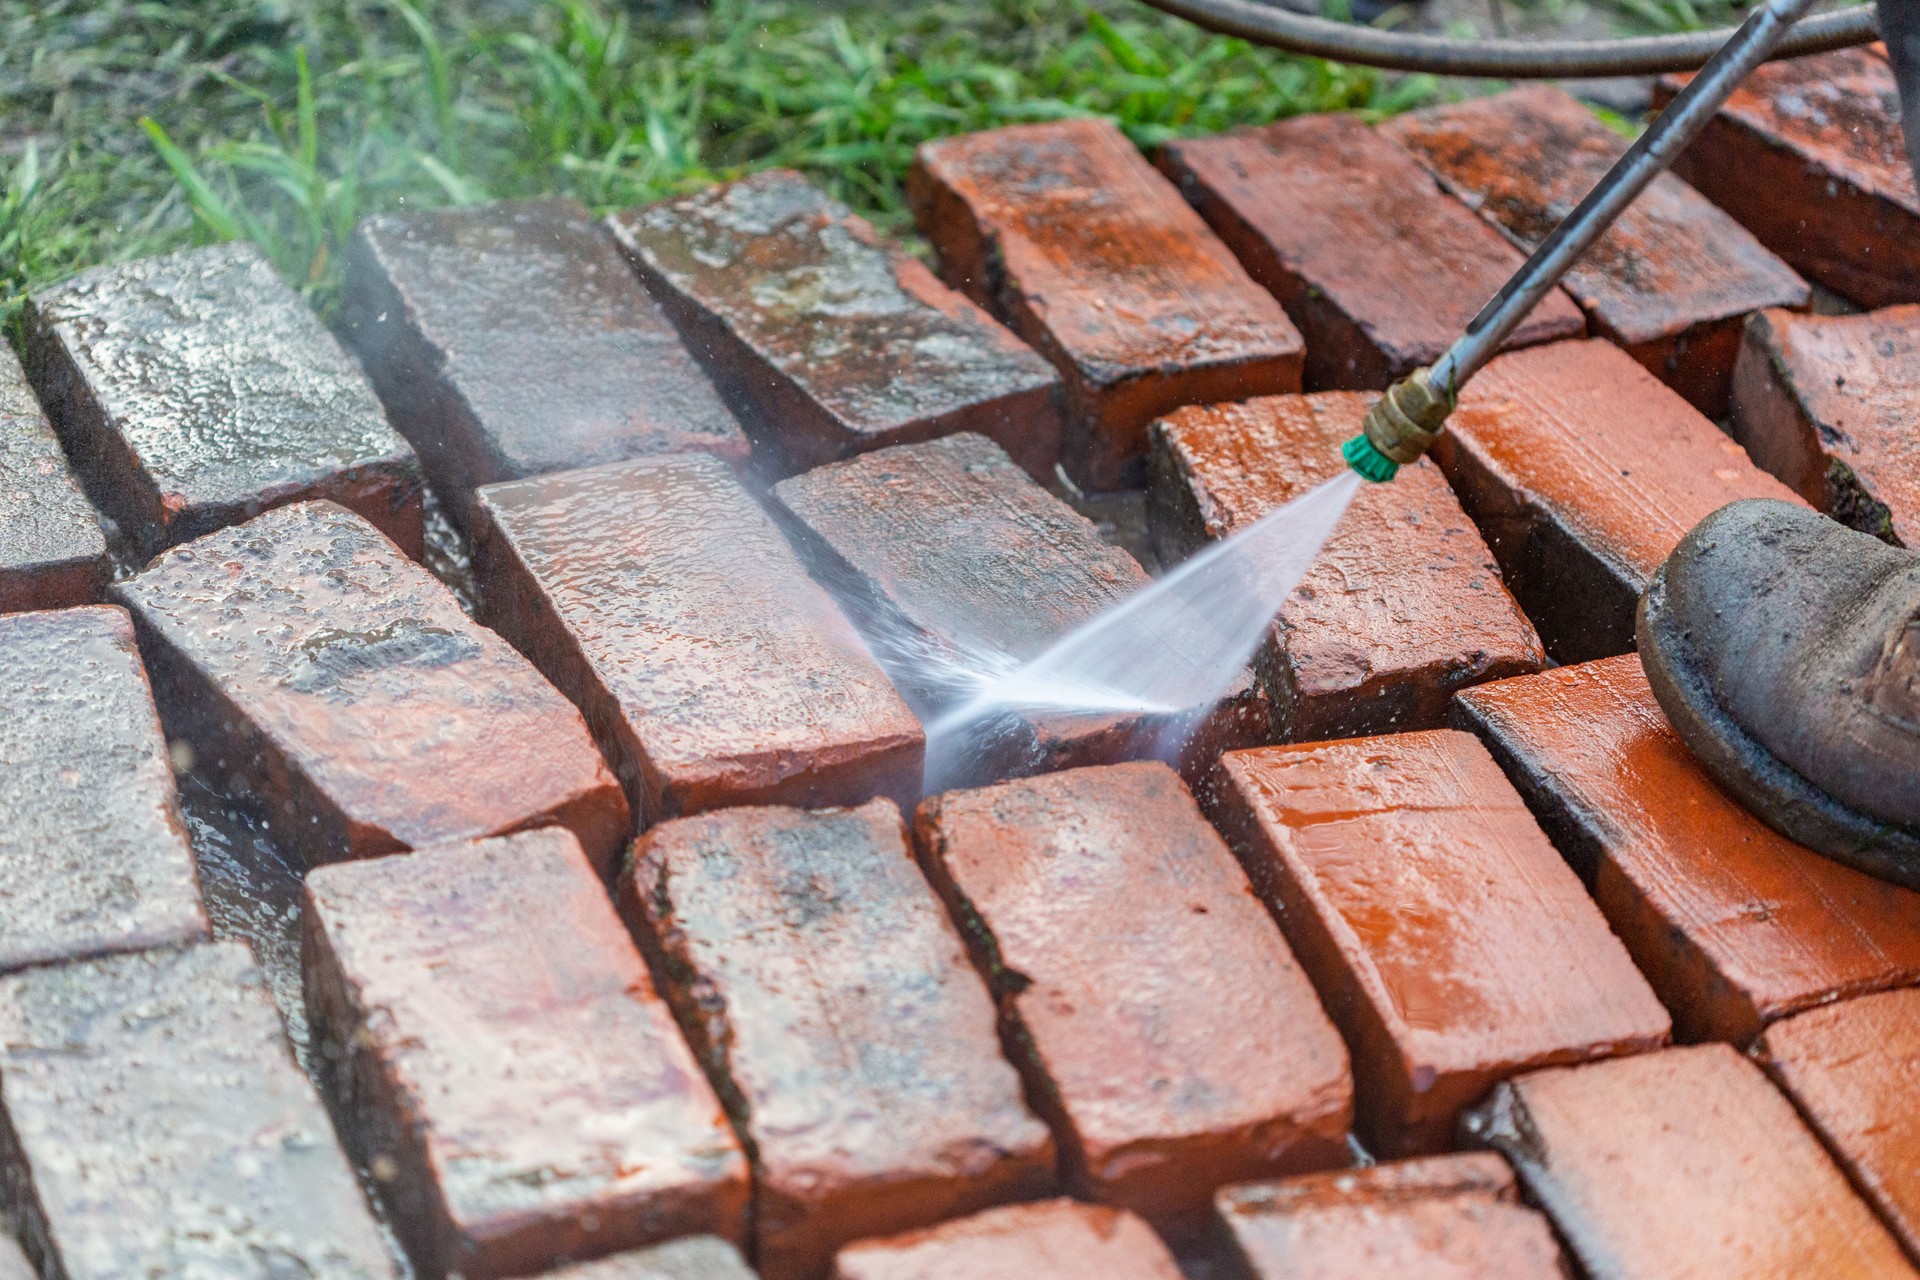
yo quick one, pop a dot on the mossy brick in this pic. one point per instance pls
(94, 856)
(711, 668)
(694, 1258)
(1687, 1163)
(1164, 1029)
(1092, 256)
(1404, 604)
(337, 687)
(196, 390)
(1583, 473)
(827, 340)
(831, 1000)
(156, 1125)
(1671, 281)
(1378, 268)
(52, 551)
(1733, 924)
(1050, 1240)
(513, 340)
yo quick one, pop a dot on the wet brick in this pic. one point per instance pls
(52, 552)
(94, 856)
(1683, 1163)
(1066, 231)
(1404, 605)
(155, 1125)
(1164, 1029)
(1674, 278)
(1380, 271)
(1584, 473)
(338, 686)
(827, 340)
(1809, 155)
(512, 340)
(1733, 924)
(695, 1258)
(492, 1038)
(1853, 1069)
(1051, 1240)
(196, 390)
(711, 668)
(1469, 954)
(1826, 404)
(1441, 1218)
(831, 1000)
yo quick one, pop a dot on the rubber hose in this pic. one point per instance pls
(1503, 59)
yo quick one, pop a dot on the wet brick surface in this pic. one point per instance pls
(196, 390)
(827, 340)
(1066, 231)
(1051, 1240)
(815, 973)
(1377, 268)
(491, 1040)
(356, 703)
(52, 551)
(696, 1258)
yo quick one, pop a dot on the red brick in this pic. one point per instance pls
(356, 705)
(1469, 954)
(1163, 1028)
(1380, 271)
(489, 1036)
(695, 1258)
(827, 340)
(830, 998)
(1441, 1218)
(1732, 923)
(1584, 473)
(93, 853)
(1363, 645)
(1809, 155)
(1066, 231)
(1683, 1163)
(1853, 1069)
(1826, 404)
(196, 390)
(647, 591)
(512, 340)
(52, 552)
(1673, 279)
(1052, 1240)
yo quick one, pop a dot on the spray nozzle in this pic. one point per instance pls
(1400, 427)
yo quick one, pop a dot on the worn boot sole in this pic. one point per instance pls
(1773, 791)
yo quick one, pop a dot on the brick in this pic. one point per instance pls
(951, 558)
(491, 1038)
(816, 975)
(1469, 955)
(358, 707)
(695, 1258)
(1441, 1218)
(155, 1125)
(1853, 1070)
(94, 855)
(196, 390)
(1363, 645)
(645, 590)
(1052, 1240)
(1671, 281)
(1380, 271)
(1824, 403)
(1092, 256)
(512, 340)
(1683, 1163)
(1584, 473)
(1809, 155)
(827, 340)
(1733, 924)
(1162, 1026)
(52, 552)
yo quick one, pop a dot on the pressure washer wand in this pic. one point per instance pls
(1413, 412)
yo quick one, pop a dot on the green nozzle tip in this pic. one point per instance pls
(1369, 461)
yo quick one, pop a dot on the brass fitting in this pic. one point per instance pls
(1406, 421)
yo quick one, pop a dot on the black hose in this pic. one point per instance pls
(1502, 59)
